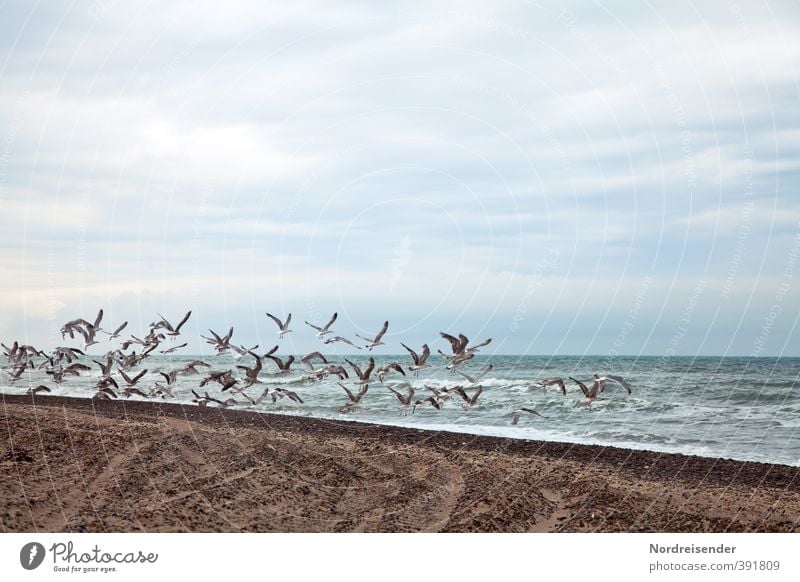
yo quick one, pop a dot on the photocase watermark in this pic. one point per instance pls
(545, 265)
(31, 555)
(69, 559)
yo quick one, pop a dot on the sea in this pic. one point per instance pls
(721, 407)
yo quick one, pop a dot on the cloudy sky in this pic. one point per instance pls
(590, 178)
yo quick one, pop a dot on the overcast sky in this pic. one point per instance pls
(602, 178)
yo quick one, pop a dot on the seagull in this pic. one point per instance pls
(517, 413)
(105, 368)
(240, 351)
(37, 389)
(205, 399)
(354, 399)
(469, 402)
(282, 366)
(283, 393)
(116, 332)
(339, 338)
(553, 382)
(313, 355)
(104, 393)
(615, 379)
(170, 377)
(376, 341)
(474, 379)
(590, 394)
(159, 390)
(18, 370)
(435, 402)
(441, 395)
(201, 400)
(363, 377)
(131, 381)
(256, 401)
(173, 349)
(221, 344)
(269, 353)
(330, 369)
(404, 400)
(128, 391)
(420, 362)
(225, 379)
(321, 331)
(191, 367)
(283, 327)
(173, 331)
(251, 374)
(461, 350)
(381, 373)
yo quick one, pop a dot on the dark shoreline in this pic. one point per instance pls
(686, 467)
(77, 464)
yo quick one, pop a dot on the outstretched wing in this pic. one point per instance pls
(330, 323)
(382, 331)
(412, 352)
(276, 320)
(621, 381)
(453, 341)
(184, 320)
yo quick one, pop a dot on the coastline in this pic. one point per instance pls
(75, 464)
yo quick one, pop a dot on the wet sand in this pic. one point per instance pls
(69, 465)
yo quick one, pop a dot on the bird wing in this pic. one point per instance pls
(469, 378)
(314, 326)
(369, 368)
(621, 381)
(382, 331)
(356, 368)
(184, 320)
(414, 355)
(426, 352)
(330, 323)
(453, 341)
(583, 387)
(482, 344)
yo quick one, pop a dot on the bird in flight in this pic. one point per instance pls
(376, 341)
(283, 327)
(321, 331)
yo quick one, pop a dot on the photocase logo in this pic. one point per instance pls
(31, 555)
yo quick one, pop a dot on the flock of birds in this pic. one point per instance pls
(122, 371)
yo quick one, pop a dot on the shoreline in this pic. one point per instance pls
(212, 469)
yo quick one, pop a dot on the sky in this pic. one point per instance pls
(565, 178)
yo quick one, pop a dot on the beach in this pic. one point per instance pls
(81, 465)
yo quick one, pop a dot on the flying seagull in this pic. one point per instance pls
(321, 331)
(554, 382)
(420, 361)
(517, 413)
(376, 341)
(283, 327)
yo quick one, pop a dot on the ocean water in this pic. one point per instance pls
(738, 408)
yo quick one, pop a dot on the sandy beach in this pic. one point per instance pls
(70, 465)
